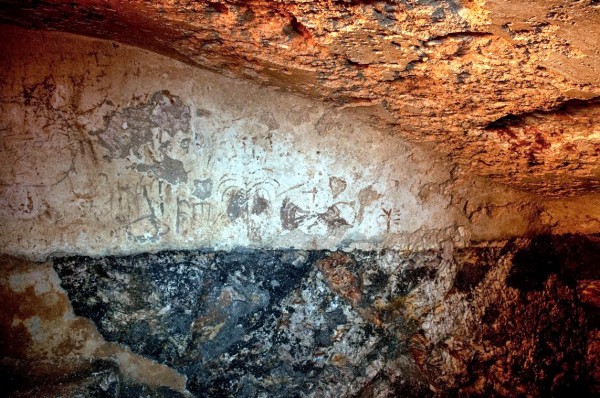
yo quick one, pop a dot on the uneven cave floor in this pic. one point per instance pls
(516, 318)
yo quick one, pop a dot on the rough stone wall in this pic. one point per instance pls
(444, 72)
(109, 149)
(48, 351)
(515, 318)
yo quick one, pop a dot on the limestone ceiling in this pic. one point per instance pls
(509, 89)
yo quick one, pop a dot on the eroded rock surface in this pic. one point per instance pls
(449, 285)
(515, 318)
(438, 71)
(48, 351)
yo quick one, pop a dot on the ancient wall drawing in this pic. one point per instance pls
(106, 148)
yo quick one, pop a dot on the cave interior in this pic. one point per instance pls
(290, 198)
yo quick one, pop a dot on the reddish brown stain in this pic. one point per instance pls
(336, 269)
(15, 339)
(26, 304)
(20, 306)
(506, 133)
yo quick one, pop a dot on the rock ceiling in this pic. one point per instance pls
(509, 89)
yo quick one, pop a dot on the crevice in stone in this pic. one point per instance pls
(457, 35)
(563, 109)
